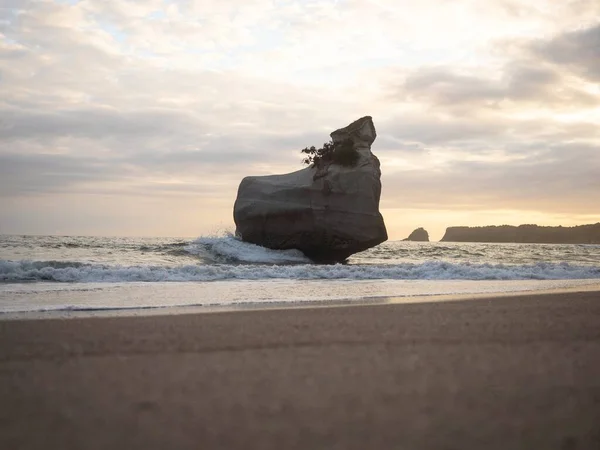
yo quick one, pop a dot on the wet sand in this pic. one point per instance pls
(498, 373)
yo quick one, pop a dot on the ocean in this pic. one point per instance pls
(46, 274)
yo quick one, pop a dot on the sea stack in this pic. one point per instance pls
(419, 235)
(327, 210)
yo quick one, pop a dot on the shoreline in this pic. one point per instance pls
(586, 286)
(518, 371)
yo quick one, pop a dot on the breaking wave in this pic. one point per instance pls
(76, 272)
(229, 249)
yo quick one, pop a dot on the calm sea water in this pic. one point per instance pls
(54, 273)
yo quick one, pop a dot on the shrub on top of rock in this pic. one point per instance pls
(342, 153)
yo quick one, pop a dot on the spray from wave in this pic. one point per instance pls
(229, 249)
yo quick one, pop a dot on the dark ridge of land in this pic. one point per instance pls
(533, 234)
(499, 373)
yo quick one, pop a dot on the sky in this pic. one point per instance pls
(140, 118)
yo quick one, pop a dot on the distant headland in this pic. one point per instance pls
(534, 234)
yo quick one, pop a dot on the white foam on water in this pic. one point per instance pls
(65, 271)
(230, 249)
(94, 297)
(137, 274)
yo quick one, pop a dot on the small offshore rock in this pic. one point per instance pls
(418, 235)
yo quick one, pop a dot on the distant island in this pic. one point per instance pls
(534, 234)
(419, 235)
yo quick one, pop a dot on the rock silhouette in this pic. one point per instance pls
(328, 211)
(582, 234)
(418, 235)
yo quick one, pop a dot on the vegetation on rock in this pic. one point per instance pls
(342, 153)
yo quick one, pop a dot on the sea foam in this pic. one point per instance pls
(143, 298)
(228, 248)
(65, 271)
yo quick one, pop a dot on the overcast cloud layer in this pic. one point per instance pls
(141, 117)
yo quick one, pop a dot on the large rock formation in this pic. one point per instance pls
(419, 235)
(582, 234)
(327, 211)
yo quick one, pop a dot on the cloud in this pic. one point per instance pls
(521, 135)
(578, 51)
(185, 98)
(556, 178)
(518, 84)
(93, 123)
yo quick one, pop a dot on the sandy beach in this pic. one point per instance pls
(496, 373)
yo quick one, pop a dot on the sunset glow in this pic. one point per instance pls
(142, 117)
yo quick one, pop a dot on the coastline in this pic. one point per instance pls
(191, 298)
(497, 372)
